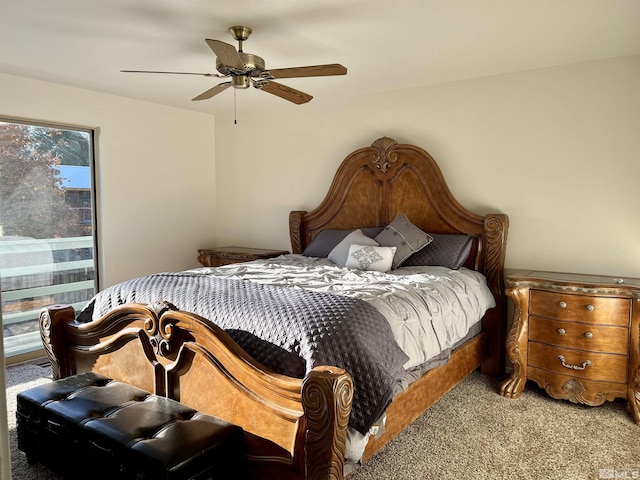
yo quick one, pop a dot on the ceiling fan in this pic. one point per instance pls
(246, 69)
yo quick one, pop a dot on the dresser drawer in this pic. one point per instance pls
(582, 308)
(584, 336)
(603, 366)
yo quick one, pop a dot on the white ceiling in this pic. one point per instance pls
(385, 44)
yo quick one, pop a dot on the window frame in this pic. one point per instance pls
(93, 133)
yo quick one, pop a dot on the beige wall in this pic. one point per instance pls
(156, 173)
(556, 149)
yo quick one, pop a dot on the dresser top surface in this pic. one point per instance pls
(518, 277)
(243, 251)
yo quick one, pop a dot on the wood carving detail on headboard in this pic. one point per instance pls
(496, 226)
(385, 158)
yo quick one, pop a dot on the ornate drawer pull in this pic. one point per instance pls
(562, 304)
(561, 331)
(588, 335)
(584, 365)
(590, 308)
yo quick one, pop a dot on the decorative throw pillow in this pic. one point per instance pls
(326, 240)
(447, 250)
(405, 236)
(341, 251)
(367, 257)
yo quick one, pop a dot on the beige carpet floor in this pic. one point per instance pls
(471, 433)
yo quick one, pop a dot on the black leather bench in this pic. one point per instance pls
(88, 426)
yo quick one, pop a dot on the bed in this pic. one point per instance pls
(296, 428)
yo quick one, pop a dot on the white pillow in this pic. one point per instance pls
(340, 252)
(368, 257)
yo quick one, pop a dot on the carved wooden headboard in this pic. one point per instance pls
(374, 184)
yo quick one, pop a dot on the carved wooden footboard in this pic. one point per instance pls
(295, 428)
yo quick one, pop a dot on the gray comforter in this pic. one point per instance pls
(290, 330)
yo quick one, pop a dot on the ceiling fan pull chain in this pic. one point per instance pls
(235, 108)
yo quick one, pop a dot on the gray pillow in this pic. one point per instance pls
(340, 253)
(447, 250)
(326, 240)
(405, 236)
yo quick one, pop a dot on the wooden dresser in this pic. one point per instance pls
(576, 336)
(214, 257)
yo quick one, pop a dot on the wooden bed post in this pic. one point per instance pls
(54, 339)
(496, 227)
(327, 394)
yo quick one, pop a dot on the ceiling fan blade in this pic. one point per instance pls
(173, 73)
(288, 93)
(227, 54)
(312, 71)
(213, 91)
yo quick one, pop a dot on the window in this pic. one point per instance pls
(47, 235)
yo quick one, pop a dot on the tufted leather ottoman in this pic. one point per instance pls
(90, 426)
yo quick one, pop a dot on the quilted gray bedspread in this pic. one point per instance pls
(290, 330)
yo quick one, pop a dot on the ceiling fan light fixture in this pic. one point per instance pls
(240, 81)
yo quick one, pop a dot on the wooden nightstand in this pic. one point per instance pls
(214, 257)
(576, 336)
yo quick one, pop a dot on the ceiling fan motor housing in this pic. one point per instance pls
(253, 66)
